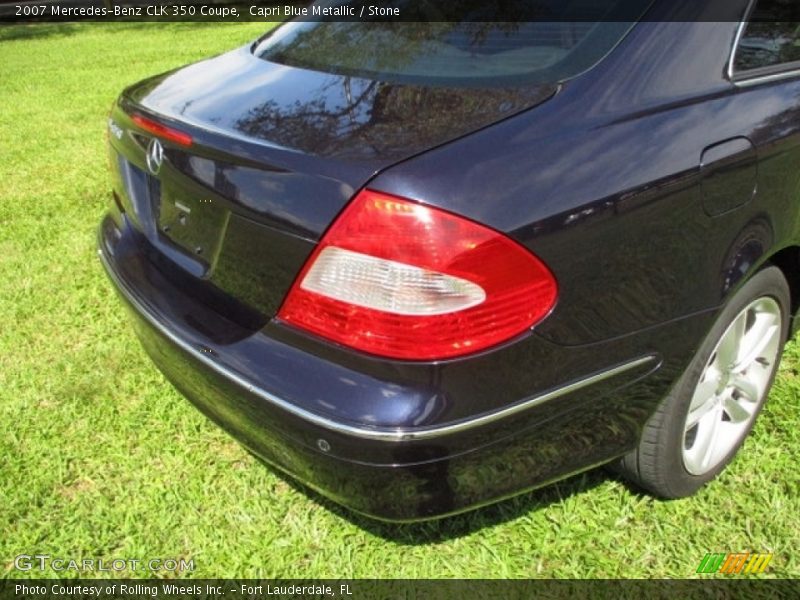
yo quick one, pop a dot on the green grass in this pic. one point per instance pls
(100, 457)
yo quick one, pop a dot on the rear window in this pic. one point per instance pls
(480, 48)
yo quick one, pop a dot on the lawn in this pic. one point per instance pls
(101, 458)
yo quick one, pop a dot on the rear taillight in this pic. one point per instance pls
(398, 279)
(162, 131)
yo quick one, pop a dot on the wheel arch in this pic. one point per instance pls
(788, 261)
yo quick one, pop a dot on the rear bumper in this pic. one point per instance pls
(392, 473)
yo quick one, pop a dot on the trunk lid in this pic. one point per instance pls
(276, 153)
(325, 115)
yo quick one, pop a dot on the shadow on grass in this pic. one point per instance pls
(28, 31)
(462, 524)
(33, 31)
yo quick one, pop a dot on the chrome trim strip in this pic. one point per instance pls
(374, 434)
(766, 78)
(739, 32)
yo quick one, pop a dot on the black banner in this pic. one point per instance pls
(393, 10)
(358, 589)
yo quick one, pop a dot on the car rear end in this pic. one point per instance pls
(377, 349)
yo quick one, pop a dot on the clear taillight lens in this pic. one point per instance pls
(402, 280)
(388, 285)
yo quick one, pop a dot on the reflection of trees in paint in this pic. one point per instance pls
(385, 119)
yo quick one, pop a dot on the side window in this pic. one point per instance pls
(771, 39)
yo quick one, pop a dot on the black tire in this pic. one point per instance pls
(657, 464)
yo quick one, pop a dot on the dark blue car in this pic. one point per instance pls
(422, 266)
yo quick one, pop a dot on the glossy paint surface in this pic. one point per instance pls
(652, 186)
(322, 114)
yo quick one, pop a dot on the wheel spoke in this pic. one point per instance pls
(702, 403)
(739, 410)
(707, 437)
(747, 387)
(756, 340)
(728, 349)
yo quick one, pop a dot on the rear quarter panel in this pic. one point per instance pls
(604, 182)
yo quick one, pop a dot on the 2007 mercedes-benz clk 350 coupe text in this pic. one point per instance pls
(424, 266)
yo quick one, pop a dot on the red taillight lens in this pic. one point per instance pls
(162, 131)
(398, 279)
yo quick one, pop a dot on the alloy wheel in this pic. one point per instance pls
(732, 386)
